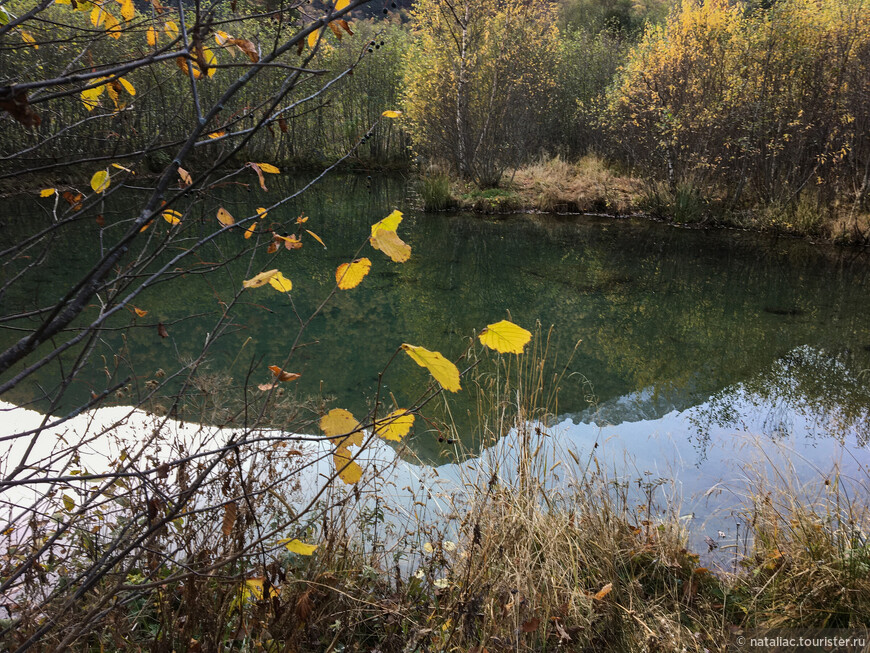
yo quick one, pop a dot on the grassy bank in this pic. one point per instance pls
(590, 185)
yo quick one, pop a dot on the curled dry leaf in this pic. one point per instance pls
(231, 510)
(259, 280)
(161, 330)
(531, 625)
(256, 168)
(604, 591)
(316, 237)
(281, 375)
(186, 179)
(140, 312)
(247, 47)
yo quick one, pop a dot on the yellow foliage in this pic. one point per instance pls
(441, 369)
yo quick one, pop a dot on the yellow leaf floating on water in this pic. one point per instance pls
(297, 546)
(391, 114)
(349, 275)
(260, 280)
(348, 471)
(342, 428)
(505, 337)
(395, 426)
(439, 367)
(47, 192)
(281, 283)
(390, 223)
(100, 181)
(224, 217)
(171, 216)
(390, 244)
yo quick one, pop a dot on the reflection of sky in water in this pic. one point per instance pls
(705, 458)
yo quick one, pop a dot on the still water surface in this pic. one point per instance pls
(692, 343)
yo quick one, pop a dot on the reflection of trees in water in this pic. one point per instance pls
(829, 394)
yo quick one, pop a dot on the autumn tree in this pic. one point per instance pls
(477, 80)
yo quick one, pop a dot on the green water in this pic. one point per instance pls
(675, 316)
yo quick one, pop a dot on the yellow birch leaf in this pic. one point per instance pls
(342, 428)
(441, 369)
(395, 426)
(90, 96)
(47, 192)
(281, 283)
(391, 114)
(390, 223)
(255, 588)
(100, 181)
(348, 471)
(349, 275)
(250, 230)
(259, 280)
(113, 27)
(312, 38)
(505, 337)
(127, 86)
(341, 4)
(171, 216)
(128, 11)
(261, 212)
(316, 237)
(27, 37)
(97, 16)
(299, 547)
(268, 167)
(224, 216)
(210, 60)
(171, 29)
(390, 244)
(151, 36)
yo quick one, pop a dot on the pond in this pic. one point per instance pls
(690, 341)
